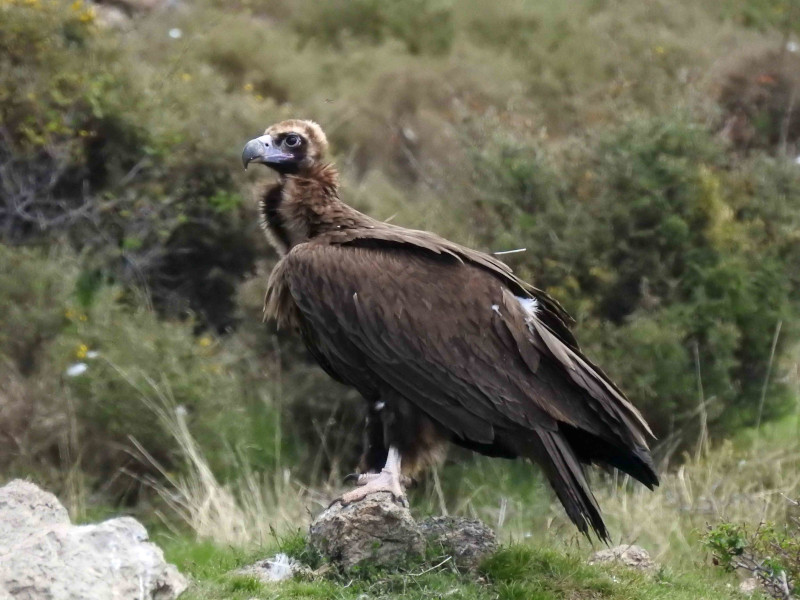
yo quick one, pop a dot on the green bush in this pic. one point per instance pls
(423, 26)
(770, 554)
(93, 150)
(98, 374)
(654, 239)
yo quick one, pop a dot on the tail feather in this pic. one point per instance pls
(552, 452)
(590, 449)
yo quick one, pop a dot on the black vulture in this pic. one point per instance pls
(445, 343)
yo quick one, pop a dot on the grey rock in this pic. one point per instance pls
(631, 556)
(25, 508)
(380, 531)
(468, 541)
(376, 530)
(44, 557)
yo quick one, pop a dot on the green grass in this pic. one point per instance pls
(515, 572)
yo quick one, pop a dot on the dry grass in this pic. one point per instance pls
(746, 482)
(245, 511)
(748, 486)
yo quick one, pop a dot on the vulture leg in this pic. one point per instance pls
(413, 441)
(388, 480)
(374, 454)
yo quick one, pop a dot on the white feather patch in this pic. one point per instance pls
(529, 305)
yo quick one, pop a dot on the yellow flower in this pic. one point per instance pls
(204, 341)
(186, 77)
(69, 313)
(88, 15)
(76, 6)
(248, 87)
(660, 50)
(83, 318)
(81, 351)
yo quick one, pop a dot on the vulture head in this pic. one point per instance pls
(289, 147)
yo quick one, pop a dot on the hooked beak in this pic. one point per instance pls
(262, 150)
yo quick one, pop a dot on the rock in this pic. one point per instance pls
(377, 529)
(270, 570)
(634, 557)
(44, 557)
(468, 541)
(380, 531)
(25, 508)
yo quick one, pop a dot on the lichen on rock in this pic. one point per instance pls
(379, 531)
(468, 541)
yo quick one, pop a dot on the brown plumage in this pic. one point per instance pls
(445, 343)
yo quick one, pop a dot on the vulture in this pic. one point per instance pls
(444, 343)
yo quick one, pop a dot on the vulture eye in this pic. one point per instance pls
(292, 140)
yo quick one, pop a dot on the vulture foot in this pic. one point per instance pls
(362, 478)
(385, 481)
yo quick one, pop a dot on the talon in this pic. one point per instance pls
(389, 479)
(351, 477)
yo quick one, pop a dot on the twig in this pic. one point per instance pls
(766, 378)
(786, 121)
(701, 444)
(429, 569)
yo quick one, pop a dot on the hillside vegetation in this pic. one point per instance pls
(642, 153)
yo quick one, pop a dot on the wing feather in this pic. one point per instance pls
(451, 339)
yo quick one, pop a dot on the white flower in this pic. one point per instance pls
(76, 369)
(175, 33)
(92, 354)
(792, 46)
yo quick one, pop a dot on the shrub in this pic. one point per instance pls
(85, 378)
(656, 242)
(759, 96)
(423, 26)
(90, 153)
(770, 553)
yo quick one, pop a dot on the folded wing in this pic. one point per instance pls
(482, 354)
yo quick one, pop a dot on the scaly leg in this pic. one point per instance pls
(390, 479)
